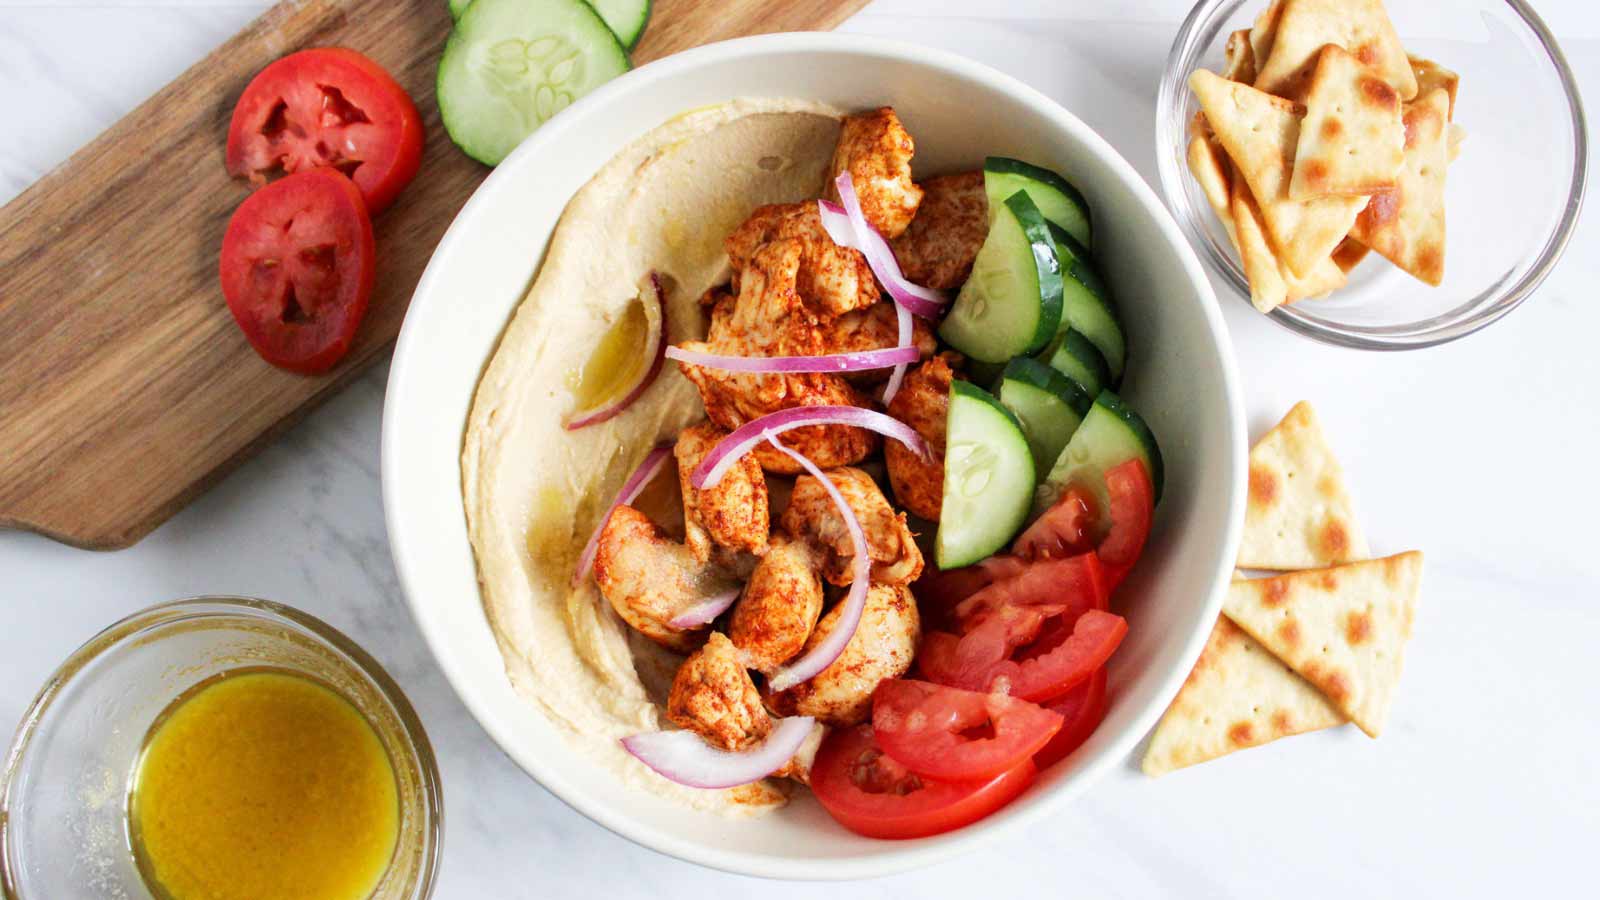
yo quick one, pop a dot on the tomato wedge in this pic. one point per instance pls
(1081, 710)
(938, 591)
(1051, 673)
(869, 793)
(1065, 529)
(328, 107)
(955, 735)
(297, 269)
(1076, 583)
(1132, 501)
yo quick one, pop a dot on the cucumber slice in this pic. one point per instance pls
(1086, 303)
(625, 18)
(1074, 356)
(1060, 202)
(457, 7)
(512, 64)
(1011, 304)
(1049, 405)
(1111, 434)
(989, 478)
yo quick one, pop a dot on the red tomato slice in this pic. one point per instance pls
(869, 793)
(1081, 710)
(1064, 529)
(1051, 673)
(1076, 583)
(297, 269)
(1132, 500)
(955, 735)
(328, 107)
(938, 591)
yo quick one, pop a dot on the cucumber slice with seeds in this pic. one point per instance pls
(1048, 404)
(1056, 198)
(1011, 303)
(989, 478)
(625, 18)
(1086, 303)
(1111, 434)
(1074, 356)
(512, 64)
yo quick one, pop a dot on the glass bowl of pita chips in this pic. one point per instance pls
(1377, 174)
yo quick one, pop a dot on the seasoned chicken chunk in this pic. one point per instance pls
(874, 328)
(780, 606)
(812, 516)
(648, 578)
(713, 696)
(876, 150)
(831, 279)
(923, 403)
(938, 249)
(882, 647)
(731, 514)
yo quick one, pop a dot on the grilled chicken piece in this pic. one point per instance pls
(832, 280)
(780, 606)
(923, 403)
(874, 328)
(812, 516)
(882, 647)
(733, 513)
(713, 696)
(938, 249)
(876, 150)
(648, 578)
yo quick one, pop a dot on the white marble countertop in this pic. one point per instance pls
(1479, 452)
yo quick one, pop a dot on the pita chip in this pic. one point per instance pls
(1351, 140)
(1361, 27)
(1349, 254)
(1458, 136)
(1238, 696)
(1299, 514)
(1241, 59)
(1264, 30)
(1406, 224)
(1260, 132)
(1343, 629)
(1208, 164)
(1272, 283)
(1431, 75)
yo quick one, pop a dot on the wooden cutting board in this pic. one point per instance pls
(125, 387)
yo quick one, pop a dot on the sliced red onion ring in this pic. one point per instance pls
(655, 316)
(706, 610)
(683, 757)
(746, 436)
(653, 461)
(833, 362)
(824, 653)
(925, 302)
(899, 374)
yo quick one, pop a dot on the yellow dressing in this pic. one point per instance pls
(261, 783)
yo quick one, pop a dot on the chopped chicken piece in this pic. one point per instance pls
(938, 249)
(832, 280)
(812, 515)
(713, 696)
(882, 647)
(649, 578)
(874, 328)
(780, 605)
(876, 150)
(733, 514)
(799, 766)
(923, 403)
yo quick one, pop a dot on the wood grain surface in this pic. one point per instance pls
(125, 387)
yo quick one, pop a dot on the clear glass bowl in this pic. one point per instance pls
(64, 792)
(1512, 197)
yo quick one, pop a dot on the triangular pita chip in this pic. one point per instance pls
(1431, 75)
(1241, 59)
(1351, 140)
(1406, 225)
(1299, 514)
(1208, 164)
(1360, 26)
(1259, 131)
(1264, 30)
(1272, 283)
(1458, 135)
(1349, 254)
(1343, 629)
(1238, 696)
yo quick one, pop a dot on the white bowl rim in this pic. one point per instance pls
(895, 856)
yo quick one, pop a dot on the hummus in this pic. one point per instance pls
(534, 492)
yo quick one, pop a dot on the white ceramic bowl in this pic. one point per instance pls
(1181, 378)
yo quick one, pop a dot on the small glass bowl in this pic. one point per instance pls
(64, 791)
(1512, 197)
